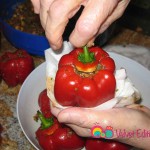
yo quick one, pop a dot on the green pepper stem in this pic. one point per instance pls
(86, 56)
(45, 122)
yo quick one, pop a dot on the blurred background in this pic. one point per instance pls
(137, 16)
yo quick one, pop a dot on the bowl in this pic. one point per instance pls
(32, 43)
(27, 102)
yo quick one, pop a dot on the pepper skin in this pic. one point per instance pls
(52, 135)
(44, 104)
(85, 78)
(15, 67)
(105, 144)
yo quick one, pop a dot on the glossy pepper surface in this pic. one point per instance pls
(52, 135)
(105, 144)
(85, 78)
(15, 67)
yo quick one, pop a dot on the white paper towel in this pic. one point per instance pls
(126, 93)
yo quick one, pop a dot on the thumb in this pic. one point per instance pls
(118, 118)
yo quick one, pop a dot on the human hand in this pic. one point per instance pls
(96, 17)
(130, 119)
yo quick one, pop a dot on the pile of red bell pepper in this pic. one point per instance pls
(85, 78)
(53, 135)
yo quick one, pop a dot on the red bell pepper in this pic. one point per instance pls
(52, 135)
(15, 67)
(44, 104)
(85, 78)
(105, 144)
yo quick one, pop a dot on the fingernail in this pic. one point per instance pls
(90, 43)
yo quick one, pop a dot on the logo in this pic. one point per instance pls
(98, 132)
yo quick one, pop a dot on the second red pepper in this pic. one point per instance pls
(85, 78)
(52, 135)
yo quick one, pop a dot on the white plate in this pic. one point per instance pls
(27, 103)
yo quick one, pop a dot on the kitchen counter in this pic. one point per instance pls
(12, 135)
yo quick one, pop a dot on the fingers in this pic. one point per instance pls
(84, 132)
(91, 42)
(54, 110)
(86, 118)
(70, 116)
(117, 13)
(36, 5)
(44, 8)
(140, 108)
(127, 120)
(117, 117)
(59, 14)
(91, 19)
(96, 17)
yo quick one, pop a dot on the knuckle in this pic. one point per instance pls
(52, 12)
(86, 28)
(56, 9)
